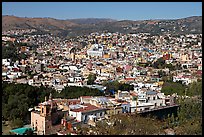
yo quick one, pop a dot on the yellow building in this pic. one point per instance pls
(80, 56)
(160, 83)
(114, 110)
(106, 56)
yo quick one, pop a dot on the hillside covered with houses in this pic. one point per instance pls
(67, 83)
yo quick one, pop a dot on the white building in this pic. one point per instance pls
(84, 112)
(6, 62)
(96, 50)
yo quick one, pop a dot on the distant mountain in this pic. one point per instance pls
(13, 22)
(91, 20)
(74, 27)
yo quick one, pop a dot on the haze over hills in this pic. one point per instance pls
(74, 27)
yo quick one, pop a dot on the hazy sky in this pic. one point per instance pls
(113, 10)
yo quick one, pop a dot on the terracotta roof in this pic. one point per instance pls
(199, 72)
(134, 94)
(129, 79)
(88, 107)
(52, 66)
(86, 96)
(73, 100)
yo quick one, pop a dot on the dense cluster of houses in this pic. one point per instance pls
(58, 63)
(62, 116)
(111, 56)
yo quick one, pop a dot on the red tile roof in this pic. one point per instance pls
(134, 94)
(86, 96)
(129, 79)
(52, 66)
(199, 72)
(88, 107)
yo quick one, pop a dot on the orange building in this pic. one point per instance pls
(106, 56)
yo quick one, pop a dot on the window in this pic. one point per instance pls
(85, 117)
(148, 98)
(42, 110)
(153, 98)
(146, 108)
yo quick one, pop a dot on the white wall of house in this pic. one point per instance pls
(98, 114)
(145, 106)
(77, 79)
(199, 67)
(132, 109)
(30, 82)
(6, 62)
(154, 99)
(101, 78)
(75, 84)
(133, 102)
(72, 113)
(11, 76)
(71, 79)
(157, 102)
(79, 116)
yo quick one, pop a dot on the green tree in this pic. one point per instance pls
(17, 123)
(189, 117)
(49, 53)
(123, 125)
(161, 73)
(114, 85)
(173, 87)
(22, 56)
(18, 98)
(195, 89)
(159, 64)
(126, 87)
(10, 52)
(91, 78)
(75, 92)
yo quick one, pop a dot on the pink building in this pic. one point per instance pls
(46, 118)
